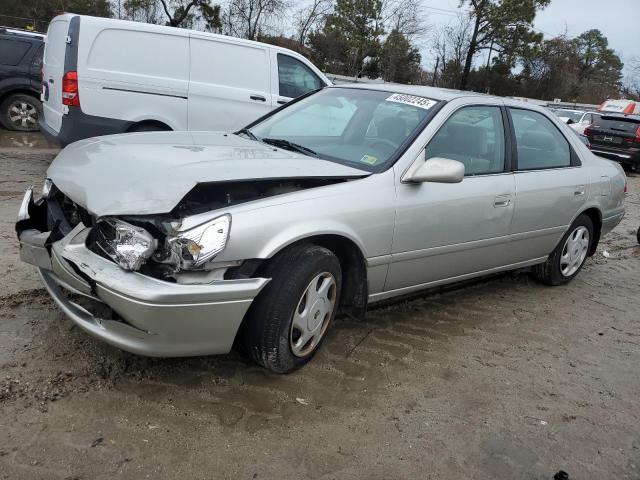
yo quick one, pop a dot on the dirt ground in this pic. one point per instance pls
(504, 379)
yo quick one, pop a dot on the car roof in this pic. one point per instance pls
(434, 93)
(22, 33)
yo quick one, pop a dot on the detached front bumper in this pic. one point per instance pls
(152, 317)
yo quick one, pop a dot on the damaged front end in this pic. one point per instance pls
(109, 295)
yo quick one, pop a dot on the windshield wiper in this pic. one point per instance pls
(248, 133)
(282, 143)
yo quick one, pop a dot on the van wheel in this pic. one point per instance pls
(287, 322)
(149, 127)
(569, 256)
(20, 112)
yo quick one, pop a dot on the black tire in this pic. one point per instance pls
(267, 333)
(20, 112)
(550, 272)
(149, 127)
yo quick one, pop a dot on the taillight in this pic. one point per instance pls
(587, 131)
(70, 89)
(637, 137)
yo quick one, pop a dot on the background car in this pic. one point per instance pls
(20, 64)
(617, 137)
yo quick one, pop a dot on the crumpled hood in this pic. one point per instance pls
(146, 173)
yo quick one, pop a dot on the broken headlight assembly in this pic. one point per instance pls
(128, 245)
(191, 249)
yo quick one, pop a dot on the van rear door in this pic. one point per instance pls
(53, 70)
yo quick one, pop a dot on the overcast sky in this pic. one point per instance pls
(618, 20)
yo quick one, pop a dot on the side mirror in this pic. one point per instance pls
(437, 170)
(570, 121)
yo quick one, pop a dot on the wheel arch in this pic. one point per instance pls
(22, 90)
(595, 215)
(355, 291)
(148, 123)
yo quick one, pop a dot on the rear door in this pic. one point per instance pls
(229, 85)
(53, 69)
(617, 136)
(551, 186)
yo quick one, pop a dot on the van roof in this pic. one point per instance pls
(185, 32)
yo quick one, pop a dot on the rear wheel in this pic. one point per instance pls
(288, 321)
(569, 256)
(20, 112)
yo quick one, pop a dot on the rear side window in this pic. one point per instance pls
(36, 61)
(625, 125)
(12, 51)
(295, 78)
(539, 143)
(473, 136)
(229, 65)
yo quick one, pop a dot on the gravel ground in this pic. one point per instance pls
(504, 379)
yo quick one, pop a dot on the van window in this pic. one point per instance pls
(229, 64)
(12, 51)
(540, 144)
(295, 78)
(140, 53)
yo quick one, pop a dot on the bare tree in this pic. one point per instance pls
(310, 17)
(405, 16)
(450, 44)
(249, 18)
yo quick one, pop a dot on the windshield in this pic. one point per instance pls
(361, 128)
(575, 116)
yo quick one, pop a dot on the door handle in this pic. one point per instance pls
(501, 202)
(580, 189)
(258, 98)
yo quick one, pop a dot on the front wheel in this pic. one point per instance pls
(569, 256)
(288, 321)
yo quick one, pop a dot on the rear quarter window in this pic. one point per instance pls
(12, 51)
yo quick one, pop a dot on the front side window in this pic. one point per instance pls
(352, 126)
(295, 78)
(539, 143)
(473, 136)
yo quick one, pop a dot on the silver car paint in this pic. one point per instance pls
(120, 174)
(411, 236)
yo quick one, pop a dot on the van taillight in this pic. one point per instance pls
(70, 89)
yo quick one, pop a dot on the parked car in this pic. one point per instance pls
(186, 243)
(616, 137)
(20, 63)
(585, 120)
(105, 76)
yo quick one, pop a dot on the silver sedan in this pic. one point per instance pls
(186, 243)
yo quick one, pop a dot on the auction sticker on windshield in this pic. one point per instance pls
(421, 102)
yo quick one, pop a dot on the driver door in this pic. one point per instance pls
(449, 231)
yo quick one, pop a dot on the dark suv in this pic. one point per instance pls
(20, 64)
(617, 137)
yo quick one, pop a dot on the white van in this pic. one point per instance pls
(103, 76)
